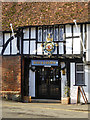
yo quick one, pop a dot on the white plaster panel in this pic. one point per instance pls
(73, 89)
(14, 46)
(31, 83)
(88, 43)
(39, 49)
(26, 33)
(7, 50)
(76, 32)
(32, 47)
(33, 33)
(69, 46)
(61, 48)
(76, 46)
(68, 31)
(25, 47)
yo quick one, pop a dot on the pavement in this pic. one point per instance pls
(44, 109)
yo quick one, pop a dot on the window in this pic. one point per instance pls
(44, 34)
(39, 34)
(61, 33)
(80, 75)
(50, 30)
(55, 34)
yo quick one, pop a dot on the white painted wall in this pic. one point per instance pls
(76, 46)
(69, 46)
(75, 31)
(26, 47)
(14, 46)
(31, 83)
(88, 43)
(39, 49)
(61, 48)
(32, 47)
(73, 89)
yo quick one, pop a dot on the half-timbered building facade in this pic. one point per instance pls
(40, 60)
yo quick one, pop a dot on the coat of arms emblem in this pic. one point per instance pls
(49, 46)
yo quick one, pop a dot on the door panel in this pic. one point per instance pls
(48, 82)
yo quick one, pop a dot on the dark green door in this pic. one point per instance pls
(49, 84)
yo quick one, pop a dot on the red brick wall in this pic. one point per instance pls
(11, 74)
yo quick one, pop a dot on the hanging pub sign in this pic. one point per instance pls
(44, 62)
(49, 46)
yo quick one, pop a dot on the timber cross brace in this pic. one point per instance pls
(18, 34)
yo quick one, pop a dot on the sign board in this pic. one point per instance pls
(44, 62)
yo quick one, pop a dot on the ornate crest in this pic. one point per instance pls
(49, 46)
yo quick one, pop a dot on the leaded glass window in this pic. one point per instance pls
(80, 75)
(61, 34)
(39, 34)
(55, 34)
(44, 34)
(50, 31)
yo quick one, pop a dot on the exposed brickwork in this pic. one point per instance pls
(42, 13)
(11, 75)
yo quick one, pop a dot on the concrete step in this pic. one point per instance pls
(45, 101)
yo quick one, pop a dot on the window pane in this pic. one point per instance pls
(80, 78)
(61, 33)
(80, 74)
(80, 68)
(44, 34)
(55, 34)
(68, 31)
(50, 31)
(39, 34)
(26, 33)
(33, 33)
